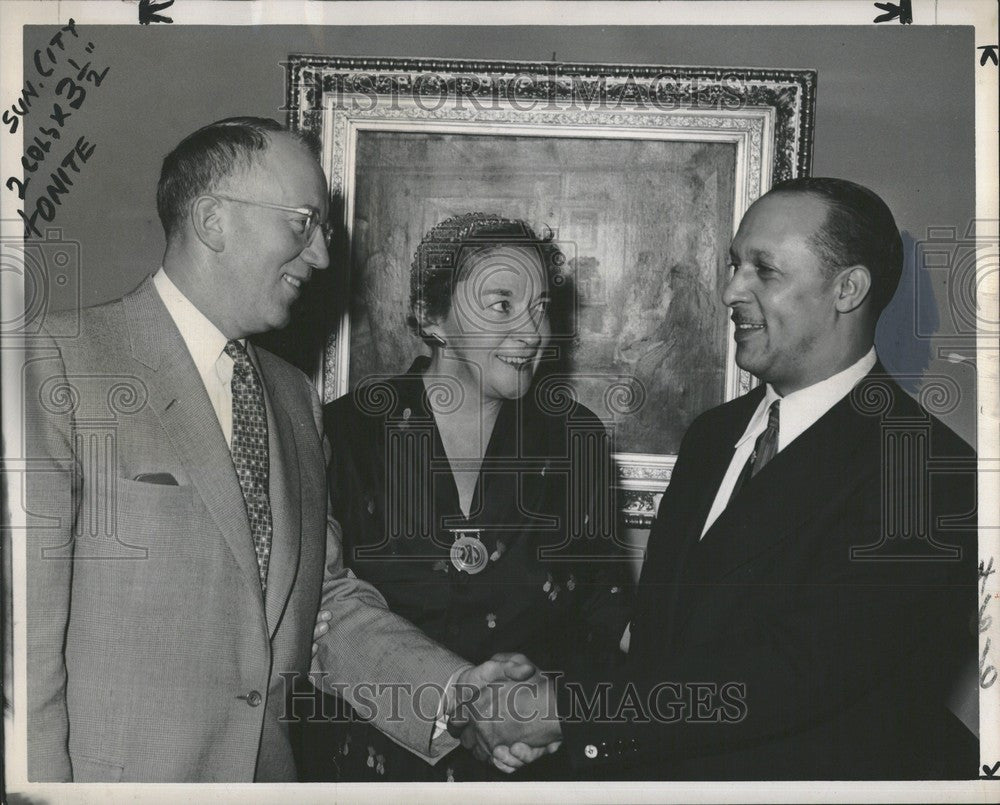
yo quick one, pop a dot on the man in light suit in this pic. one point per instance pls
(809, 591)
(178, 541)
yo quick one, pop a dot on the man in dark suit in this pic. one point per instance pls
(808, 594)
(178, 542)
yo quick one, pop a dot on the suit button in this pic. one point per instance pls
(590, 751)
(254, 698)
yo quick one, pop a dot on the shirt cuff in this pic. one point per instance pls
(443, 717)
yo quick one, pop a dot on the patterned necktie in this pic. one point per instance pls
(249, 449)
(763, 451)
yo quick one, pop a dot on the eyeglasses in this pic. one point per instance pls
(309, 214)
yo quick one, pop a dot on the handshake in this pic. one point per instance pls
(506, 712)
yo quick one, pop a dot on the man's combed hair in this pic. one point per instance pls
(202, 160)
(446, 249)
(859, 230)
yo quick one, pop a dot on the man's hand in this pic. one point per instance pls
(511, 758)
(471, 684)
(514, 723)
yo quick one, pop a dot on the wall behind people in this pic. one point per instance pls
(895, 111)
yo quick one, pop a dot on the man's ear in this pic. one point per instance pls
(207, 220)
(853, 285)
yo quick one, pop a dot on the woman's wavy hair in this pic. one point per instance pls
(444, 253)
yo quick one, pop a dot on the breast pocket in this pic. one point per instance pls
(120, 518)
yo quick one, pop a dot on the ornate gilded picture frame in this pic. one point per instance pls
(640, 172)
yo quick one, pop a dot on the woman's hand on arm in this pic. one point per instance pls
(321, 628)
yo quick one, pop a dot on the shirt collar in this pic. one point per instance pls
(203, 339)
(800, 409)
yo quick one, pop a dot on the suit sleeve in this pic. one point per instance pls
(52, 504)
(388, 670)
(850, 635)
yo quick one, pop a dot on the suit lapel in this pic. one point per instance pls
(178, 397)
(682, 526)
(781, 498)
(517, 436)
(285, 497)
(523, 437)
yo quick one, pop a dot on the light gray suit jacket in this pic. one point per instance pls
(152, 653)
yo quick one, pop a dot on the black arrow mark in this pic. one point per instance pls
(148, 9)
(991, 771)
(989, 54)
(904, 11)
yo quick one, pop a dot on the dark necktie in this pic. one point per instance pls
(763, 451)
(249, 449)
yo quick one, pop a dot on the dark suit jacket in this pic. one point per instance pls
(544, 498)
(815, 627)
(557, 589)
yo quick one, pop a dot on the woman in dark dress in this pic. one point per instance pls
(473, 491)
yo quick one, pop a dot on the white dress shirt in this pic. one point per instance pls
(206, 344)
(799, 410)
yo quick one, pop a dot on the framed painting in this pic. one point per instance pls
(641, 173)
